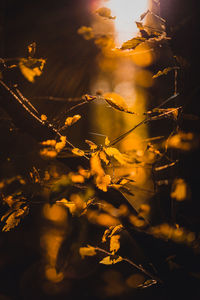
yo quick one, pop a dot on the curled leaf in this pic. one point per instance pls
(114, 243)
(92, 145)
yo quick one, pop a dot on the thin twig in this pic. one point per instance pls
(138, 267)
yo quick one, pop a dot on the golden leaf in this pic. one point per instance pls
(95, 165)
(92, 145)
(117, 102)
(121, 158)
(114, 243)
(31, 67)
(110, 261)
(78, 152)
(86, 32)
(71, 120)
(102, 182)
(87, 251)
(107, 142)
(49, 143)
(60, 145)
(43, 117)
(179, 190)
(105, 12)
(103, 157)
(77, 178)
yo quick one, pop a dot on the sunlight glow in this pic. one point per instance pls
(126, 12)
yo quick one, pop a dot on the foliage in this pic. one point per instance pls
(86, 192)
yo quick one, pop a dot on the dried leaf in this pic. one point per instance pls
(86, 32)
(60, 145)
(71, 120)
(133, 43)
(78, 152)
(43, 117)
(92, 145)
(87, 251)
(114, 243)
(117, 102)
(31, 67)
(147, 283)
(14, 217)
(164, 72)
(105, 12)
(108, 260)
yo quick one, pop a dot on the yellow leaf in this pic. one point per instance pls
(86, 32)
(102, 182)
(105, 12)
(71, 120)
(95, 165)
(103, 157)
(117, 102)
(31, 67)
(121, 158)
(92, 145)
(78, 152)
(179, 190)
(110, 261)
(114, 243)
(43, 117)
(107, 142)
(60, 145)
(87, 251)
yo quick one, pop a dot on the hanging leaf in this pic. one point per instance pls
(117, 102)
(31, 67)
(133, 43)
(114, 243)
(87, 251)
(105, 12)
(108, 260)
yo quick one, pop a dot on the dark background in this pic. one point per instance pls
(70, 65)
